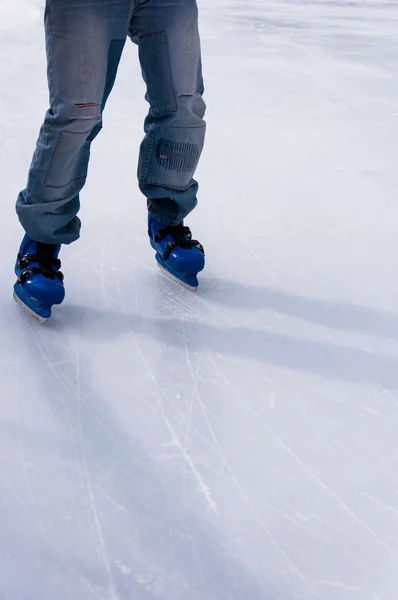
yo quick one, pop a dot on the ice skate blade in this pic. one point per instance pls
(30, 312)
(167, 273)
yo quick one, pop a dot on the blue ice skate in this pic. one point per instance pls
(40, 282)
(178, 255)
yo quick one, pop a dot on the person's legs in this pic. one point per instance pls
(169, 48)
(84, 41)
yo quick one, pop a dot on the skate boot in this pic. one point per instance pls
(178, 255)
(40, 282)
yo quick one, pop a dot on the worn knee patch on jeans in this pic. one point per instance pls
(172, 155)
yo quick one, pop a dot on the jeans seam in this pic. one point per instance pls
(179, 188)
(55, 153)
(171, 107)
(180, 128)
(177, 218)
(66, 184)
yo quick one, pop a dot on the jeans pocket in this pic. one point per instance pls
(172, 155)
(65, 165)
(156, 67)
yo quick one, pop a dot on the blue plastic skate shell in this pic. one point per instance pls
(182, 264)
(37, 293)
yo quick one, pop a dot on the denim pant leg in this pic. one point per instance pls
(84, 42)
(169, 49)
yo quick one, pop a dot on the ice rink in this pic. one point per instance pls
(240, 443)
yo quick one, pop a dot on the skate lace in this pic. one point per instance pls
(181, 236)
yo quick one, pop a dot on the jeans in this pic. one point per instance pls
(84, 43)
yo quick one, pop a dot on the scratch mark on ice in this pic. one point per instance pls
(340, 585)
(202, 486)
(320, 482)
(38, 526)
(101, 545)
(294, 568)
(379, 503)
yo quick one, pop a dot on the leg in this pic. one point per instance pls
(169, 49)
(84, 42)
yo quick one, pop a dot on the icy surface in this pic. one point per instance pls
(240, 443)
